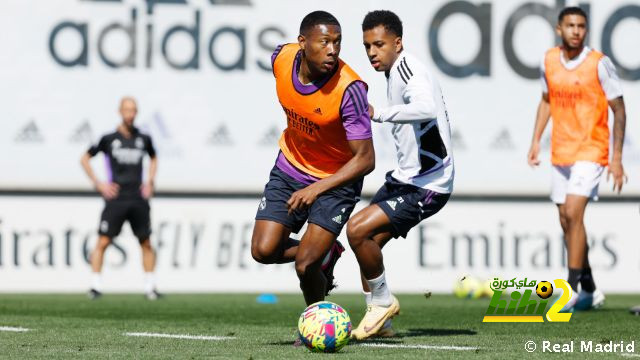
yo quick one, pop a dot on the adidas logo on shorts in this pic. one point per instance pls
(392, 204)
(104, 226)
(338, 219)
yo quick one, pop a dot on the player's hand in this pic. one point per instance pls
(108, 190)
(616, 170)
(302, 199)
(532, 156)
(371, 113)
(146, 190)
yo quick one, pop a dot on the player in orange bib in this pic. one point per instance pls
(579, 87)
(325, 152)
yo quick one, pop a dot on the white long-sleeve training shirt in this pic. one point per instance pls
(420, 126)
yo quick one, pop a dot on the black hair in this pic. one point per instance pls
(572, 10)
(317, 18)
(386, 18)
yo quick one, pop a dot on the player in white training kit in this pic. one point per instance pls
(423, 180)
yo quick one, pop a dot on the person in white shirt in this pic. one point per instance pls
(423, 180)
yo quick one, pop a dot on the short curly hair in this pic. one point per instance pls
(317, 18)
(386, 18)
(572, 10)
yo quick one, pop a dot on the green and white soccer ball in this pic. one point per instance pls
(324, 327)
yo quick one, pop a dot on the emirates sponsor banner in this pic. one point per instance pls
(205, 246)
(201, 72)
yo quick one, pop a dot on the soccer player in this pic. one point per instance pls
(421, 183)
(126, 196)
(579, 85)
(325, 151)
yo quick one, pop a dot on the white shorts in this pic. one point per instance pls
(582, 178)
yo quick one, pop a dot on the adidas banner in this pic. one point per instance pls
(201, 72)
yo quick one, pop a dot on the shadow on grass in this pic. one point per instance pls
(397, 339)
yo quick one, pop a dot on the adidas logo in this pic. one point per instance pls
(220, 136)
(29, 133)
(82, 134)
(392, 204)
(318, 111)
(338, 219)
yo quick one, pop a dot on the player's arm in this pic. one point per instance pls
(107, 190)
(149, 185)
(619, 123)
(419, 105)
(612, 88)
(362, 163)
(542, 119)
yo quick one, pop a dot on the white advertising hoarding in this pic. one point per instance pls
(200, 70)
(203, 245)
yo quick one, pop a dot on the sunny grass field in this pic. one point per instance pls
(70, 326)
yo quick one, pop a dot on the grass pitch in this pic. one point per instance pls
(70, 326)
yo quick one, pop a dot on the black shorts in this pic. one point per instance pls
(331, 210)
(135, 211)
(406, 205)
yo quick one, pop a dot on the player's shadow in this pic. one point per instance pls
(397, 338)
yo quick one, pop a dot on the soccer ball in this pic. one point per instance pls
(467, 287)
(324, 327)
(544, 289)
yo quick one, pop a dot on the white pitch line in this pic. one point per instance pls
(424, 347)
(180, 336)
(630, 355)
(13, 329)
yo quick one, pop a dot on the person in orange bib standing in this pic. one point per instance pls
(579, 86)
(325, 152)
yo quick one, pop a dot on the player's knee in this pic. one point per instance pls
(305, 266)
(572, 217)
(261, 253)
(145, 243)
(103, 243)
(356, 232)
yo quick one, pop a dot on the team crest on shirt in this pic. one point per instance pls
(263, 203)
(139, 143)
(116, 144)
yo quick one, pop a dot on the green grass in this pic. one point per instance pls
(70, 326)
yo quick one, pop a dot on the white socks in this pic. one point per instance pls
(96, 281)
(367, 297)
(149, 282)
(380, 294)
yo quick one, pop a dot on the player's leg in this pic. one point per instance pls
(97, 259)
(582, 186)
(111, 220)
(140, 220)
(315, 244)
(576, 237)
(331, 211)
(270, 243)
(359, 231)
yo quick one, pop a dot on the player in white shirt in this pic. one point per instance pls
(423, 180)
